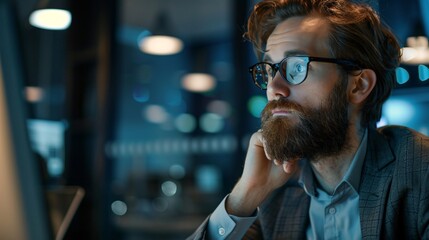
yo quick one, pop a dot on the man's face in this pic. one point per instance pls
(310, 119)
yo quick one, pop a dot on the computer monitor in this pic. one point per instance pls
(23, 206)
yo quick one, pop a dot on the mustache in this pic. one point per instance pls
(281, 103)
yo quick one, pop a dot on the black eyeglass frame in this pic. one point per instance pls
(348, 65)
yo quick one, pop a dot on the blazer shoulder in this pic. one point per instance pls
(397, 131)
(400, 136)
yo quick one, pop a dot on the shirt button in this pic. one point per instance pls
(332, 210)
(221, 231)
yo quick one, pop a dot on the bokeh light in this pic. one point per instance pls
(185, 123)
(208, 178)
(402, 76)
(198, 82)
(211, 122)
(51, 19)
(256, 104)
(161, 45)
(119, 208)
(169, 188)
(34, 94)
(155, 114)
(398, 111)
(423, 73)
(220, 107)
(177, 171)
(141, 94)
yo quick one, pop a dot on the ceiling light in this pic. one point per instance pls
(51, 19)
(161, 45)
(198, 82)
(161, 40)
(51, 15)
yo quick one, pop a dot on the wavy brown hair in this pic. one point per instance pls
(356, 33)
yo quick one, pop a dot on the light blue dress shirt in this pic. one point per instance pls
(331, 216)
(335, 216)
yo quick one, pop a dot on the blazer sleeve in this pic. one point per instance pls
(200, 233)
(423, 217)
(254, 232)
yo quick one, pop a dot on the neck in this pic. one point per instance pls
(329, 171)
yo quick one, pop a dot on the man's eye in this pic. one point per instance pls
(299, 68)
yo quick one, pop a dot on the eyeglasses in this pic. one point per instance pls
(292, 69)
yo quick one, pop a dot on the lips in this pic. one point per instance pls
(281, 112)
(282, 108)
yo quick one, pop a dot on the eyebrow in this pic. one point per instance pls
(286, 54)
(295, 53)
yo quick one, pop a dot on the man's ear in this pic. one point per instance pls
(361, 86)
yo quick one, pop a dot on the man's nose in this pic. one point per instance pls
(278, 87)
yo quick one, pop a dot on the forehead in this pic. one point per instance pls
(306, 35)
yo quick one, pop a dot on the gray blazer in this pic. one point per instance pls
(393, 193)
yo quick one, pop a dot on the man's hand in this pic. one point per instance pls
(261, 176)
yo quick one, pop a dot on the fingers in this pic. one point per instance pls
(262, 142)
(277, 162)
(290, 166)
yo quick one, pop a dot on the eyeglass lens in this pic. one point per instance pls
(292, 69)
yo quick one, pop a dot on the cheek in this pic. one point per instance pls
(310, 97)
(317, 90)
(324, 76)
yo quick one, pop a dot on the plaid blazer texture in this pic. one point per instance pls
(393, 193)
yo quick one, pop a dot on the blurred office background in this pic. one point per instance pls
(157, 139)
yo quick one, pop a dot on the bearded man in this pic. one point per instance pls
(318, 168)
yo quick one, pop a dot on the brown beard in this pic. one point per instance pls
(319, 132)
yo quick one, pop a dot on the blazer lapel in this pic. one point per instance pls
(375, 182)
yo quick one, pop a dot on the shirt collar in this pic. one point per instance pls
(352, 176)
(306, 179)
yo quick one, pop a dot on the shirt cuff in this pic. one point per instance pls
(222, 225)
